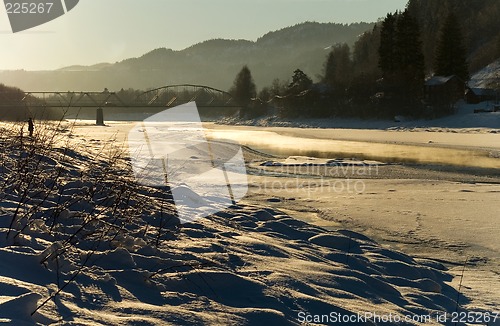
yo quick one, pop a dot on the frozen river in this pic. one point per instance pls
(427, 213)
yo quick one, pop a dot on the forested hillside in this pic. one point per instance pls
(213, 62)
(383, 74)
(479, 20)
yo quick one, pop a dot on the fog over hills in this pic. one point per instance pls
(213, 63)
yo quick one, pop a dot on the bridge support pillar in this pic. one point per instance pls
(99, 117)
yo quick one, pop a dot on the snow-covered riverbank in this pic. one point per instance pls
(113, 250)
(464, 121)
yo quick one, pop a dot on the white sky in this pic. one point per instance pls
(112, 30)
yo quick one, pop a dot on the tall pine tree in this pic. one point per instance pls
(338, 74)
(410, 58)
(300, 82)
(451, 58)
(402, 62)
(338, 68)
(244, 88)
(387, 49)
(365, 53)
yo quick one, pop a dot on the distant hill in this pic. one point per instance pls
(95, 67)
(215, 62)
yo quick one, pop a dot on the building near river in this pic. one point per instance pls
(475, 95)
(442, 92)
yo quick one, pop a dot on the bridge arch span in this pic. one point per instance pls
(173, 95)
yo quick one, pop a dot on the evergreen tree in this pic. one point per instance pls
(296, 100)
(400, 46)
(338, 71)
(365, 53)
(450, 58)
(387, 49)
(402, 62)
(410, 58)
(300, 82)
(338, 68)
(244, 88)
(278, 87)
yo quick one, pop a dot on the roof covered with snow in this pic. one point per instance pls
(439, 80)
(483, 91)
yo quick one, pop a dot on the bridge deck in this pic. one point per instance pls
(167, 96)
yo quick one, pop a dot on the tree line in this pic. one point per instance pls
(16, 105)
(381, 76)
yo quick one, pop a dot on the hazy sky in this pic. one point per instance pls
(112, 30)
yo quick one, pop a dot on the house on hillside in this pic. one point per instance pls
(442, 92)
(478, 95)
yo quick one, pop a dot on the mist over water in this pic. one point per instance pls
(276, 144)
